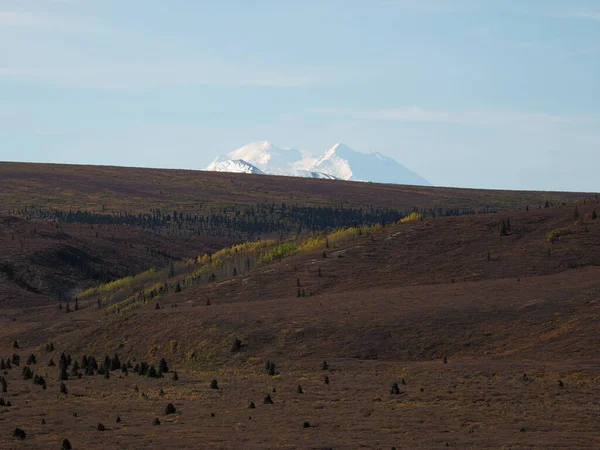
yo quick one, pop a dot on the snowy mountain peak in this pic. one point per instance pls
(348, 164)
(233, 166)
(265, 155)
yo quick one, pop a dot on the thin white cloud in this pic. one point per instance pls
(23, 19)
(480, 118)
(54, 23)
(579, 14)
(132, 76)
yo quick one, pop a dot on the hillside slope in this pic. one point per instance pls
(403, 336)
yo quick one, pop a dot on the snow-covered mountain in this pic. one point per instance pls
(234, 166)
(340, 162)
(269, 160)
(267, 156)
(347, 164)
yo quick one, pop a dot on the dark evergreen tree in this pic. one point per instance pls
(143, 368)
(170, 409)
(19, 433)
(214, 384)
(163, 366)
(62, 374)
(152, 372)
(15, 344)
(27, 373)
(66, 445)
(100, 427)
(63, 388)
(299, 390)
(270, 368)
(115, 363)
(268, 400)
(395, 389)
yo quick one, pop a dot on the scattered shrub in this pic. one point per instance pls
(236, 345)
(555, 235)
(18, 433)
(270, 368)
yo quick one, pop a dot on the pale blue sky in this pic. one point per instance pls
(474, 93)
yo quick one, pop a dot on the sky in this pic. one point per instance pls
(470, 93)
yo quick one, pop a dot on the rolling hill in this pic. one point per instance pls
(436, 329)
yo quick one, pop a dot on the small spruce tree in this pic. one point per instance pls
(214, 384)
(27, 373)
(19, 433)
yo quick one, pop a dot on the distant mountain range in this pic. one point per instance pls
(340, 162)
